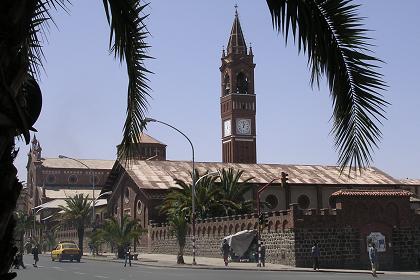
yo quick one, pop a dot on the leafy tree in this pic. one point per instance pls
(77, 213)
(231, 192)
(179, 227)
(120, 235)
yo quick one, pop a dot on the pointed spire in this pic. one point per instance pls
(236, 42)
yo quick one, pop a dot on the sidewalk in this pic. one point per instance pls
(161, 260)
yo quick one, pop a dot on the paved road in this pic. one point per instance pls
(96, 270)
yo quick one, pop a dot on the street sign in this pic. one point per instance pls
(378, 239)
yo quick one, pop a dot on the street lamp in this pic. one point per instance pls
(146, 120)
(260, 190)
(93, 185)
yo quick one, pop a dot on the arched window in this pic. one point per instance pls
(272, 201)
(303, 201)
(226, 85)
(241, 83)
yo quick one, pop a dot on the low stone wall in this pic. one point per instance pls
(339, 247)
(406, 246)
(290, 235)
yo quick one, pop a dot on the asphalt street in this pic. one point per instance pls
(97, 270)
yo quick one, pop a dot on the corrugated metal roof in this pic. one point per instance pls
(353, 193)
(56, 203)
(146, 138)
(69, 163)
(410, 181)
(57, 193)
(161, 174)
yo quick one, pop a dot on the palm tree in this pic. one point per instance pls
(77, 213)
(331, 33)
(180, 197)
(22, 25)
(24, 223)
(120, 235)
(231, 192)
(96, 241)
(179, 227)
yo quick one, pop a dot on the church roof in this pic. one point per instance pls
(236, 42)
(161, 174)
(147, 139)
(65, 192)
(408, 181)
(69, 163)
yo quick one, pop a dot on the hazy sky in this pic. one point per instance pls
(84, 88)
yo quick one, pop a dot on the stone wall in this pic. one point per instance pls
(339, 246)
(290, 234)
(406, 246)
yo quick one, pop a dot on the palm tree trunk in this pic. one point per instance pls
(80, 235)
(9, 193)
(180, 257)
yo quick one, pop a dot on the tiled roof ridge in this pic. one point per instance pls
(383, 192)
(44, 158)
(264, 163)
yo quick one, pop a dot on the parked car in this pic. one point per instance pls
(66, 250)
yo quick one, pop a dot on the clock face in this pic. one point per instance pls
(227, 128)
(243, 126)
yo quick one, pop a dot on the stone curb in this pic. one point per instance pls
(243, 268)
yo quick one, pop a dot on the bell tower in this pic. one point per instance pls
(237, 101)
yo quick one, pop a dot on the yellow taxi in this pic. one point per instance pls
(66, 250)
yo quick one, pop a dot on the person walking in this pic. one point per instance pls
(315, 256)
(18, 262)
(127, 256)
(263, 254)
(225, 251)
(35, 252)
(373, 257)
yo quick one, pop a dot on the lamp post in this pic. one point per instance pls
(146, 120)
(93, 186)
(260, 190)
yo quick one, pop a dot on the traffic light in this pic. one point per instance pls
(262, 220)
(284, 179)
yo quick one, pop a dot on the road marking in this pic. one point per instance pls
(100, 276)
(80, 273)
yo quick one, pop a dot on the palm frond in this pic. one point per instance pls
(332, 35)
(127, 42)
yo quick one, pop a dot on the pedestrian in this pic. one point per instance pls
(35, 252)
(91, 248)
(19, 260)
(225, 251)
(263, 254)
(373, 257)
(127, 256)
(315, 256)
